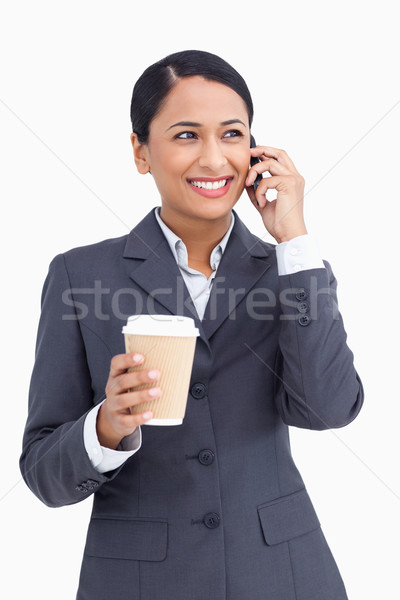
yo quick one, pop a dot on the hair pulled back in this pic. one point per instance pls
(155, 83)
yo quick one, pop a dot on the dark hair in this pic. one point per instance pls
(155, 83)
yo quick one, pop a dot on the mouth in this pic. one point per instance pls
(210, 187)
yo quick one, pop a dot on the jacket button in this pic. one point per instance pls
(304, 320)
(301, 294)
(211, 520)
(92, 483)
(206, 457)
(81, 488)
(198, 390)
(303, 307)
(87, 485)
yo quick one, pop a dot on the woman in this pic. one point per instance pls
(213, 508)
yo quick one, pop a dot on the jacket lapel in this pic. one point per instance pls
(242, 264)
(153, 267)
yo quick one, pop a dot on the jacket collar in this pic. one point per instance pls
(154, 268)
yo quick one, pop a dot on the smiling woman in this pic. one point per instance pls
(214, 507)
(193, 168)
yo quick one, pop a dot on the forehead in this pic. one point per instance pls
(198, 99)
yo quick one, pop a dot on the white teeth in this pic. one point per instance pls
(209, 185)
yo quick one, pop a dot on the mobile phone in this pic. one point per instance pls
(253, 161)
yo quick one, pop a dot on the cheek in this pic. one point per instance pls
(174, 161)
(242, 161)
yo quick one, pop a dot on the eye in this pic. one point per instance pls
(236, 132)
(189, 135)
(178, 136)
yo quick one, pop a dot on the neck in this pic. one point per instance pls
(200, 236)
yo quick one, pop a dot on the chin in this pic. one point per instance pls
(211, 211)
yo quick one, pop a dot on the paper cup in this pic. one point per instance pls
(168, 344)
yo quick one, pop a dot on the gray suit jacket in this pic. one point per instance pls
(214, 508)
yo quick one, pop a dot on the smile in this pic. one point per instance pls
(211, 188)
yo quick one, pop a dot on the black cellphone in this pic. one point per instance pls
(253, 161)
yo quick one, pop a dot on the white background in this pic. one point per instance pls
(325, 86)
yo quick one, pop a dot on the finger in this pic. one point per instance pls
(268, 183)
(121, 362)
(270, 152)
(267, 205)
(127, 381)
(270, 165)
(129, 422)
(252, 196)
(122, 402)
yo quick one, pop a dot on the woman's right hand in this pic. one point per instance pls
(114, 419)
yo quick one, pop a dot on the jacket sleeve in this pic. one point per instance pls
(54, 462)
(317, 386)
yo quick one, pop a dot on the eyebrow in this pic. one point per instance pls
(193, 124)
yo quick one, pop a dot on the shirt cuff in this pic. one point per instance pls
(298, 254)
(105, 459)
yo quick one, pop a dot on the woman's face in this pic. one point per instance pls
(200, 135)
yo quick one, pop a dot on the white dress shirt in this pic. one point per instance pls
(297, 254)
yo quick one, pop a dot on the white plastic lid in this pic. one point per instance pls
(173, 325)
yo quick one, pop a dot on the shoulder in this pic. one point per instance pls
(82, 263)
(98, 252)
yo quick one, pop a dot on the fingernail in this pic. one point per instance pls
(137, 358)
(154, 392)
(147, 415)
(154, 374)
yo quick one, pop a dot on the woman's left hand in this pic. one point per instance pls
(282, 217)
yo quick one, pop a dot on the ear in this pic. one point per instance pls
(140, 154)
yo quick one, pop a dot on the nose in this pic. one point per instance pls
(212, 155)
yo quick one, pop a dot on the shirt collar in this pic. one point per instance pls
(178, 247)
